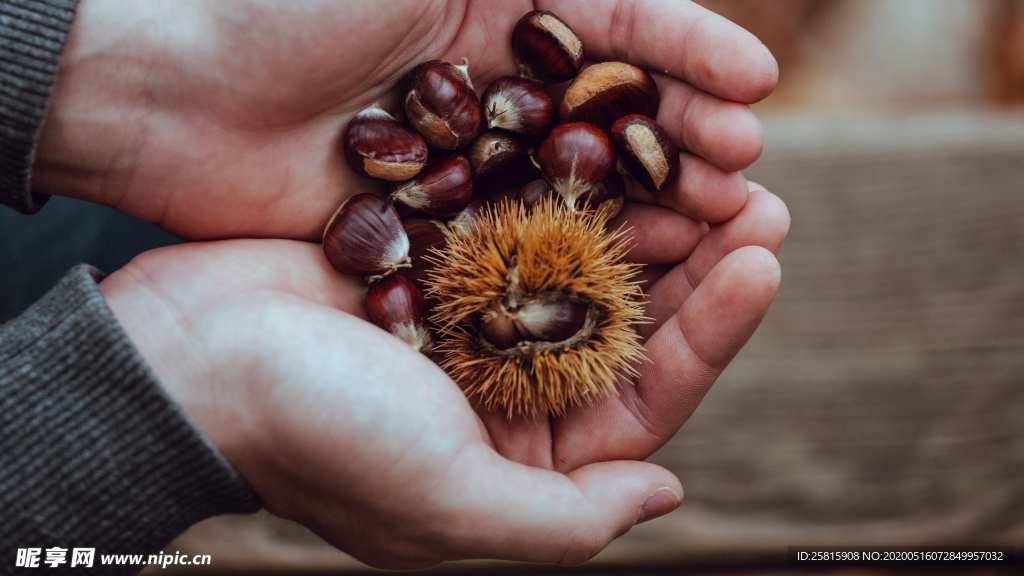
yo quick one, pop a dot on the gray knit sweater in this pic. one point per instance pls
(93, 453)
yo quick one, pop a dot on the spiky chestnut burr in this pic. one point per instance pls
(518, 105)
(397, 305)
(647, 151)
(540, 268)
(365, 238)
(605, 92)
(443, 188)
(574, 157)
(379, 147)
(441, 104)
(545, 48)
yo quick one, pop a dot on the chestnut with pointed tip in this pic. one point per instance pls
(398, 306)
(424, 235)
(647, 151)
(518, 105)
(365, 238)
(575, 157)
(605, 92)
(379, 147)
(545, 48)
(441, 104)
(496, 158)
(443, 188)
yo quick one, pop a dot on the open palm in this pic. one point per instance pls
(222, 118)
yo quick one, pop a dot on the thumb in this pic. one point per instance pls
(517, 512)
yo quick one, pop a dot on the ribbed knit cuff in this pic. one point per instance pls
(93, 453)
(32, 37)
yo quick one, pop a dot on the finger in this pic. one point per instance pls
(685, 355)
(680, 38)
(658, 235)
(703, 192)
(726, 134)
(763, 221)
(515, 512)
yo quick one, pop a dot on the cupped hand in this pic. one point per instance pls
(342, 427)
(222, 118)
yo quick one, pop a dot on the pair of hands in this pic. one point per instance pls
(221, 119)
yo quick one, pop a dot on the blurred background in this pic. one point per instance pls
(882, 399)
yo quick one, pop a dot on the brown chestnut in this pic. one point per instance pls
(575, 157)
(496, 158)
(441, 104)
(466, 220)
(545, 49)
(365, 238)
(378, 146)
(550, 320)
(397, 305)
(647, 151)
(443, 188)
(518, 105)
(424, 234)
(531, 194)
(610, 193)
(498, 327)
(605, 92)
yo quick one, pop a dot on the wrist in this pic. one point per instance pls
(95, 122)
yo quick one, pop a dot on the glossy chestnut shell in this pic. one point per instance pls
(441, 104)
(647, 151)
(398, 306)
(443, 188)
(518, 105)
(365, 238)
(379, 147)
(545, 48)
(605, 92)
(575, 157)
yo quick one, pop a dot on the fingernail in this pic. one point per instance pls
(663, 501)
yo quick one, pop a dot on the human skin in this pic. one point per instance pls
(221, 119)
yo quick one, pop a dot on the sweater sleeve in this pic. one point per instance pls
(32, 37)
(93, 453)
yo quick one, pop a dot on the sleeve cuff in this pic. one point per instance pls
(32, 38)
(93, 452)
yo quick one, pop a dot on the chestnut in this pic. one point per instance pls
(497, 157)
(610, 192)
(518, 105)
(647, 151)
(550, 320)
(441, 104)
(605, 92)
(365, 238)
(424, 235)
(498, 328)
(575, 157)
(545, 49)
(466, 220)
(379, 147)
(544, 320)
(531, 194)
(398, 306)
(443, 188)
